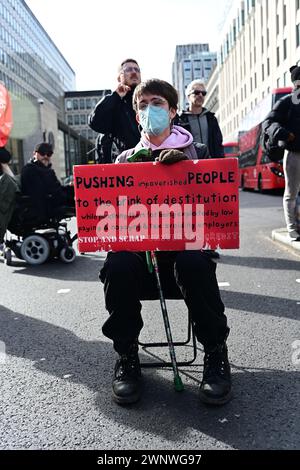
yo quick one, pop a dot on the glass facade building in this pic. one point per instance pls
(37, 76)
(31, 64)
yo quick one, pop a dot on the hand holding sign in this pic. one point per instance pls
(170, 156)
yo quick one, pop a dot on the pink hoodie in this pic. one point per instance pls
(179, 138)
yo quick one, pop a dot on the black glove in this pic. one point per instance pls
(5, 156)
(169, 156)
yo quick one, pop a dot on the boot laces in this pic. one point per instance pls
(216, 363)
(127, 366)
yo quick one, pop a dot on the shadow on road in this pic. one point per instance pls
(263, 408)
(55, 269)
(260, 262)
(267, 305)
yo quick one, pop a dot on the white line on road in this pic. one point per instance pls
(63, 291)
(223, 284)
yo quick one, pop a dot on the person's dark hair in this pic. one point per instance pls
(125, 62)
(154, 86)
(295, 73)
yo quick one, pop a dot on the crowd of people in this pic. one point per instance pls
(143, 115)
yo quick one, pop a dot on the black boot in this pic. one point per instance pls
(126, 384)
(215, 388)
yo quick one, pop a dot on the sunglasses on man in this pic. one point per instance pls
(131, 69)
(49, 154)
(198, 92)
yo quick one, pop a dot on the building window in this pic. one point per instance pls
(284, 15)
(70, 120)
(88, 103)
(263, 72)
(268, 66)
(277, 24)
(284, 49)
(278, 56)
(298, 35)
(81, 103)
(83, 119)
(76, 120)
(75, 104)
(69, 105)
(297, 4)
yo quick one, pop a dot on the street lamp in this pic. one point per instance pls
(41, 103)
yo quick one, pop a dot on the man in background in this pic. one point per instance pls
(200, 122)
(38, 181)
(113, 116)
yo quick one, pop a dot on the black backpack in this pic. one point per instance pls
(274, 152)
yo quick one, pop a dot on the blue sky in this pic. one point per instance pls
(95, 35)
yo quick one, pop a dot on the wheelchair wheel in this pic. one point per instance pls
(67, 255)
(35, 249)
(7, 256)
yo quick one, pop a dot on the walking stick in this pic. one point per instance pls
(151, 258)
(152, 262)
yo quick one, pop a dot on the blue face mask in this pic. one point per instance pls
(154, 120)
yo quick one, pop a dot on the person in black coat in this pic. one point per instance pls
(283, 125)
(114, 115)
(200, 122)
(48, 198)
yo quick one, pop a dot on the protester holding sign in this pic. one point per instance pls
(187, 274)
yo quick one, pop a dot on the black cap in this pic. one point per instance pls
(44, 148)
(295, 73)
(5, 156)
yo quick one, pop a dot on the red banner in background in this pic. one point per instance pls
(151, 206)
(5, 115)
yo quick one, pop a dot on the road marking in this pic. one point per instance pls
(223, 284)
(63, 291)
(67, 376)
(298, 280)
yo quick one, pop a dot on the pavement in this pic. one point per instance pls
(281, 235)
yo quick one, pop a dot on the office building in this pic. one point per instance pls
(261, 40)
(192, 61)
(36, 75)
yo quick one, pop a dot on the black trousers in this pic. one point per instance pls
(190, 275)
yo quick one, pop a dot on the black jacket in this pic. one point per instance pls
(215, 138)
(46, 193)
(115, 115)
(283, 119)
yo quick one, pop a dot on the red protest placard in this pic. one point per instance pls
(150, 206)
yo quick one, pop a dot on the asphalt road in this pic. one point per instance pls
(56, 369)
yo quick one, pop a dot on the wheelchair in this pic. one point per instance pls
(37, 240)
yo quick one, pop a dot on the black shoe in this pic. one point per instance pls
(215, 388)
(126, 387)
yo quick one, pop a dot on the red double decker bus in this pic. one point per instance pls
(256, 170)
